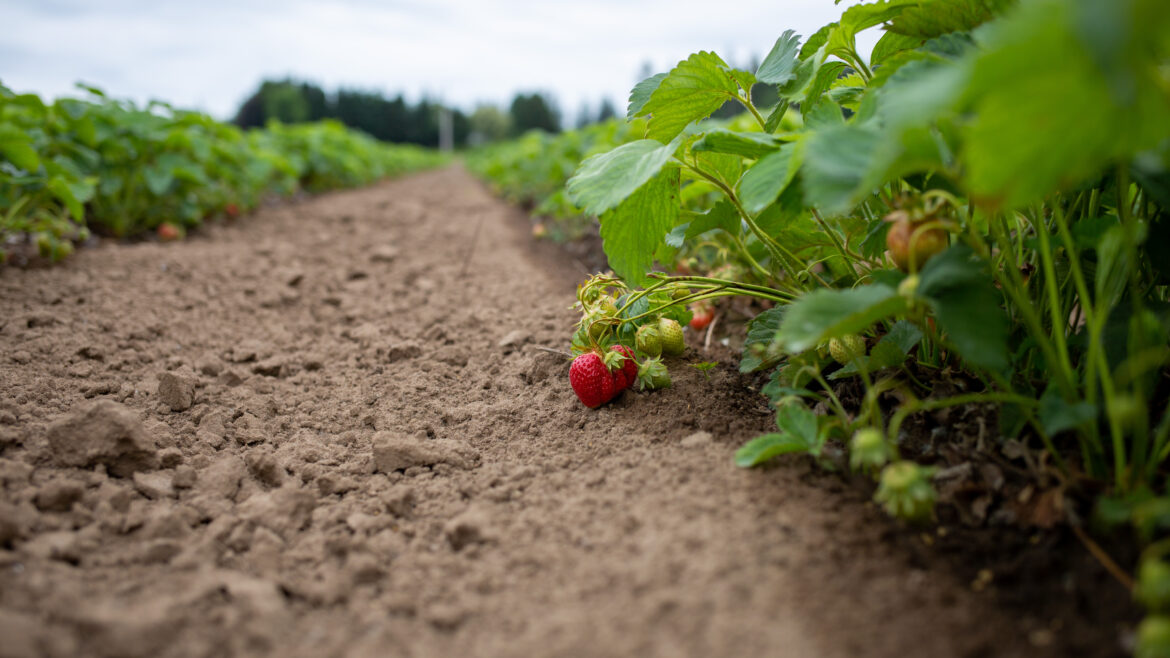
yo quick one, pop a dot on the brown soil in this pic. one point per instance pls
(327, 431)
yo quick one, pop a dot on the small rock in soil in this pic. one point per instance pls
(176, 390)
(397, 452)
(11, 523)
(470, 527)
(695, 440)
(184, 477)
(222, 478)
(58, 496)
(155, 486)
(383, 254)
(514, 338)
(399, 500)
(103, 432)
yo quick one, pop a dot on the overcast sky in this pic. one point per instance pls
(211, 54)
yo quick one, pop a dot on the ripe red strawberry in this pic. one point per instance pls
(626, 373)
(591, 380)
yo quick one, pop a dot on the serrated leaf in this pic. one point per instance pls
(818, 39)
(745, 79)
(746, 144)
(891, 44)
(694, 89)
(761, 332)
(825, 113)
(842, 40)
(640, 95)
(823, 314)
(932, 18)
(968, 306)
(1054, 123)
(721, 216)
(768, 177)
(824, 78)
(632, 231)
(603, 181)
(798, 433)
(779, 66)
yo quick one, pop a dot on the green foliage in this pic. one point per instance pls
(108, 165)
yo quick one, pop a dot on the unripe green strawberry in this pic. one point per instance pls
(906, 492)
(868, 450)
(846, 348)
(680, 292)
(1153, 637)
(909, 286)
(672, 337)
(649, 340)
(653, 375)
(1153, 587)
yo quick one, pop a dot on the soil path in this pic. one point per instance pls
(326, 431)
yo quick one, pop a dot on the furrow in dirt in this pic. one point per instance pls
(327, 430)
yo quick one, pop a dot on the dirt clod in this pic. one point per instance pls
(394, 451)
(177, 391)
(103, 432)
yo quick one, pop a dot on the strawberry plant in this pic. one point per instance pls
(984, 196)
(99, 163)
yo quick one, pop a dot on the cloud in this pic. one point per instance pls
(211, 54)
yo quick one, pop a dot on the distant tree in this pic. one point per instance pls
(607, 110)
(392, 120)
(488, 124)
(584, 115)
(534, 112)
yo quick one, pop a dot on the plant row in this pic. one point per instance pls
(973, 215)
(95, 163)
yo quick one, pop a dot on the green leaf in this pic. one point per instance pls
(761, 332)
(932, 18)
(1056, 122)
(17, 148)
(776, 116)
(61, 190)
(158, 178)
(631, 232)
(824, 314)
(968, 306)
(694, 89)
(603, 181)
(824, 78)
(640, 95)
(1058, 416)
(768, 177)
(818, 39)
(842, 41)
(748, 145)
(837, 169)
(890, 44)
(825, 113)
(721, 216)
(779, 66)
(798, 433)
(1113, 267)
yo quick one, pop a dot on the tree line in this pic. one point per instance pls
(397, 120)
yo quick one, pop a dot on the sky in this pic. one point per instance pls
(210, 55)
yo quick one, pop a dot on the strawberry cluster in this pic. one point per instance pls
(597, 378)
